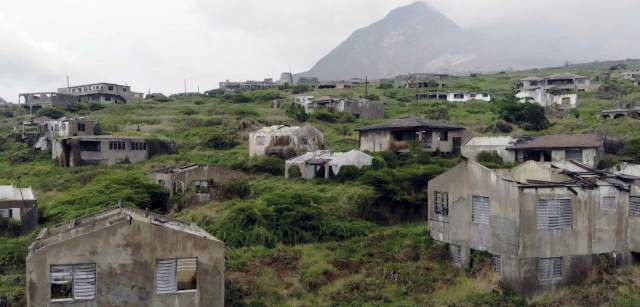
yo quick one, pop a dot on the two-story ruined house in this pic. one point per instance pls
(195, 183)
(125, 257)
(284, 140)
(101, 93)
(583, 148)
(99, 150)
(398, 135)
(555, 90)
(544, 227)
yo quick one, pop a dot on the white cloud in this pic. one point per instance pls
(155, 44)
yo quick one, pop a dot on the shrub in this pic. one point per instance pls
(133, 188)
(222, 141)
(51, 113)
(286, 217)
(385, 86)
(297, 112)
(437, 110)
(613, 89)
(527, 115)
(9, 227)
(373, 97)
(490, 157)
(96, 106)
(236, 98)
(188, 111)
(348, 173)
(300, 88)
(499, 126)
(324, 116)
(238, 188)
(269, 165)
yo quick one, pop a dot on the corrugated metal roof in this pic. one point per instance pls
(410, 123)
(559, 141)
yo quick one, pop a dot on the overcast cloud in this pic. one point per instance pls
(155, 44)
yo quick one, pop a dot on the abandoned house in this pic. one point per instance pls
(497, 144)
(285, 141)
(454, 96)
(99, 150)
(20, 205)
(421, 80)
(101, 93)
(125, 257)
(44, 99)
(325, 164)
(63, 128)
(544, 227)
(633, 112)
(360, 108)
(555, 90)
(630, 75)
(250, 85)
(398, 135)
(626, 168)
(584, 148)
(155, 96)
(194, 184)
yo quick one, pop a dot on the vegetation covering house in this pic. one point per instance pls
(399, 134)
(125, 257)
(324, 163)
(20, 205)
(544, 227)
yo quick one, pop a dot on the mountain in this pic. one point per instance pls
(418, 38)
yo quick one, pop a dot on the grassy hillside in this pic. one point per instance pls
(360, 240)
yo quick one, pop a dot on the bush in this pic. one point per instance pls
(51, 113)
(613, 89)
(188, 111)
(9, 227)
(236, 98)
(499, 126)
(133, 188)
(269, 165)
(289, 218)
(222, 141)
(490, 157)
(528, 116)
(348, 173)
(437, 110)
(238, 188)
(385, 86)
(300, 88)
(324, 116)
(297, 112)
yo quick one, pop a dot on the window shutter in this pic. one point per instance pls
(634, 206)
(84, 281)
(61, 274)
(549, 268)
(575, 155)
(166, 276)
(554, 214)
(187, 264)
(5, 212)
(496, 261)
(480, 210)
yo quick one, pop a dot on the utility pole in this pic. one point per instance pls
(185, 87)
(68, 86)
(290, 77)
(366, 87)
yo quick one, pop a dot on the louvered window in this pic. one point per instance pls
(73, 282)
(575, 155)
(496, 262)
(5, 212)
(441, 203)
(549, 268)
(608, 203)
(634, 206)
(554, 214)
(456, 253)
(175, 275)
(480, 210)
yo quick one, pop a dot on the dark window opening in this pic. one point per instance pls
(90, 146)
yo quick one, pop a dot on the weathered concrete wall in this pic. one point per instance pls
(375, 140)
(365, 109)
(212, 174)
(125, 256)
(109, 157)
(306, 138)
(472, 152)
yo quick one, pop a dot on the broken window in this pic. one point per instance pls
(90, 146)
(81, 127)
(458, 96)
(554, 214)
(496, 263)
(444, 136)
(138, 146)
(549, 268)
(480, 210)
(608, 203)
(201, 186)
(574, 154)
(175, 275)
(260, 140)
(634, 206)
(117, 145)
(73, 282)
(441, 203)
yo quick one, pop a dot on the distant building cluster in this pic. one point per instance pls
(89, 93)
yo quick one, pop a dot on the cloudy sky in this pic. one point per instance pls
(155, 44)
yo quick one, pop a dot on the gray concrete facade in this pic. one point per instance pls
(502, 212)
(99, 150)
(126, 247)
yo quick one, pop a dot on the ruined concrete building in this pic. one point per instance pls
(455, 96)
(250, 85)
(285, 141)
(633, 112)
(584, 148)
(497, 144)
(555, 90)
(397, 135)
(20, 205)
(51, 129)
(421, 80)
(324, 163)
(45, 99)
(545, 227)
(99, 150)
(195, 184)
(360, 108)
(125, 257)
(101, 93)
